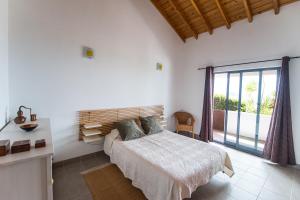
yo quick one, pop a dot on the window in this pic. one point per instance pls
(243, 105)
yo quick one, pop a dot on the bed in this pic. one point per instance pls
(167, 166)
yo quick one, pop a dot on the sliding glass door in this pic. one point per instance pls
(232, 108)
(243, 104)
(248, 113)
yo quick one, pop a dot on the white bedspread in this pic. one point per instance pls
(168, 166)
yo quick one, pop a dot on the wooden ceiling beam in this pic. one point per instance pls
(196, 7)
(154, 2)
(195, 34)
(248, 10)
(216, 13)
(222, 12)
(276, 6)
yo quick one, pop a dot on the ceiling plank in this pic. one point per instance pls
(154, 2)
(276, 6)
(183, 18)
(221, 10)
(248, 10)
(196, 7)
(217, 13)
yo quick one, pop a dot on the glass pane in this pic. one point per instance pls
(268, 92)
(233, 101)
(249, 109)
(220, 88)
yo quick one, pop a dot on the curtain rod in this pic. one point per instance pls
(245, 63)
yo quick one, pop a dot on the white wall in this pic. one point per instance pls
(48, 73)
(268, 36)
(4, 95)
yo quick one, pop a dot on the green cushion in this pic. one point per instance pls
(151, 125)
(129, 130)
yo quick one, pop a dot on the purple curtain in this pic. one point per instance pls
(206, 133)
(279, 147)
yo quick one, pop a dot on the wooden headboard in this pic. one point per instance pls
(107, 117)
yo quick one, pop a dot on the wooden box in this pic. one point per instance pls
(20, 146)
(4, 147)
(40, 143)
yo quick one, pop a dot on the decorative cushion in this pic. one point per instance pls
(151, 125)
(129, 130)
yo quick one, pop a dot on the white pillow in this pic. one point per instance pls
(109, 140)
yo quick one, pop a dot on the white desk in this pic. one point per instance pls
(27, 175)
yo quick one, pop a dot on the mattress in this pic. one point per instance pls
(168, 166)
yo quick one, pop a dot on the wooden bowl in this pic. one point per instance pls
(28, 127)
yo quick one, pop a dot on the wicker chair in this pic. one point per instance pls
(184, 122)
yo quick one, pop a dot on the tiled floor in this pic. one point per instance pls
(254, 179)
(69, 183)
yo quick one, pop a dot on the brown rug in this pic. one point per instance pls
(108, 183)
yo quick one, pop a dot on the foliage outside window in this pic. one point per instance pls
(246, 106)
(220, 103)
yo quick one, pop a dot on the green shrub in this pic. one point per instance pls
(220, 103)
(267, 105)
(248, 106)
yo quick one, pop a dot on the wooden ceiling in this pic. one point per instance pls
(189, 18)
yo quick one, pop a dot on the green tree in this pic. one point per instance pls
(268, 104)
(250, 90)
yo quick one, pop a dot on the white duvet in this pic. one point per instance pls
(167, 166)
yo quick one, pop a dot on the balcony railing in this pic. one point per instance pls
(247, 127)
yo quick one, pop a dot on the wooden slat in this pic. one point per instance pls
(248, 10)
(107, 117)
(223, 14)
(209, 29)
(195, 34)
(276, 6)
(167, 19)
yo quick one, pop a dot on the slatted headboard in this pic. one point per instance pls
(107, 117)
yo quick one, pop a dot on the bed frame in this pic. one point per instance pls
(107, 117)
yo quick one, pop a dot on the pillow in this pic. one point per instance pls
(114, 134)
(129, 130)
(109, 140)
(151, 125)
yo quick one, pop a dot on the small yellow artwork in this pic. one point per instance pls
(159, 67)
(88, 52)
